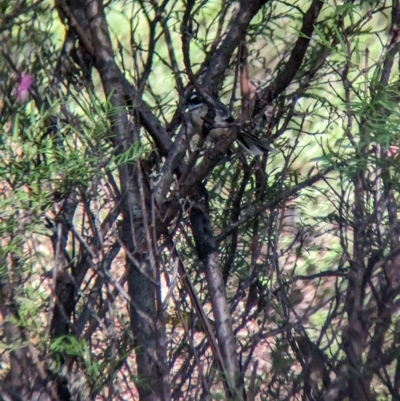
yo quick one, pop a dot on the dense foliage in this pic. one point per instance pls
(139, 261)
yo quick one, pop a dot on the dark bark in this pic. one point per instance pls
(208, 255)
(293, 65)
(150, 352)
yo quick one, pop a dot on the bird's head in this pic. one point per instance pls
(194, 101)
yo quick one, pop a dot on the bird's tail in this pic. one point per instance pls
(252, 144)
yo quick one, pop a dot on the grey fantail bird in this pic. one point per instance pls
(198, 109)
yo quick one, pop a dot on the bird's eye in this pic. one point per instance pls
(194, 99)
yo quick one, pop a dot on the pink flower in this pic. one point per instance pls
(24, 86)
(393, 151)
